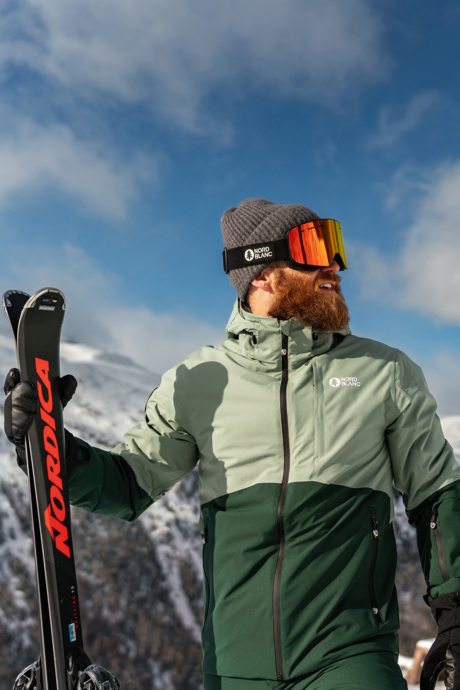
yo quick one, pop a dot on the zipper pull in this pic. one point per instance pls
(284, 344)
(434, 519)
(375, 531)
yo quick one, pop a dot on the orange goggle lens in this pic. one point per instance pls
(317, 243)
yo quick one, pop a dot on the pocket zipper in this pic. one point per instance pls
(206, 579)
(370, 579)
(436, 527)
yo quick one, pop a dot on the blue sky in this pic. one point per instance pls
(126, 129)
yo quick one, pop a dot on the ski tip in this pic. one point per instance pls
(48, 298)
(6, 301)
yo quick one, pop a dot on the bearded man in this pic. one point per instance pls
(300, 430)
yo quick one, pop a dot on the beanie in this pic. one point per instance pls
(254, 221)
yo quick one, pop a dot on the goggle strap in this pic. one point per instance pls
(262, 253)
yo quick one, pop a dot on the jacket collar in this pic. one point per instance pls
(258, 338)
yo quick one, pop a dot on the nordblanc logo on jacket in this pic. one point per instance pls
(344, 381)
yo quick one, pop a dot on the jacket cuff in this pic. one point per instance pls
(452, 585)
(75, 455)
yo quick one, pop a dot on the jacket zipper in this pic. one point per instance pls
(436, 527)
(370, 579)
(280, 509)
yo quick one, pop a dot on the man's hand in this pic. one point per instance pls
(445, 651)
(21, 406)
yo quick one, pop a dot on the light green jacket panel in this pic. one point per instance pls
(423, 461)
(222, 406)
(159, 450)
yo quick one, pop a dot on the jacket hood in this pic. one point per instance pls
(259, 338)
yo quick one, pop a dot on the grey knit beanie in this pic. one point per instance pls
(258, 220)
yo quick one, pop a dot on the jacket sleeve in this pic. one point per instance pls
(105, 484)
(154, 456)
(428, 476)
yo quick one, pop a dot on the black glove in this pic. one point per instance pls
(21, 406)
(445, 650)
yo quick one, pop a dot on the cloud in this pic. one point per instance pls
(96, 314)
(424, 277)
(33, 156)
(392, 128)
(173, 54)
(443, 375)
(408, 185)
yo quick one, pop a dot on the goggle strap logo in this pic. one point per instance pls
(263, 252)
(259, 253)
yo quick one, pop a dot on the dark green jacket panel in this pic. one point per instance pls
(440, 512)
(325, 608)
(239, 559)
(107, 485)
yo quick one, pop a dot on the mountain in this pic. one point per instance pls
(140, 583)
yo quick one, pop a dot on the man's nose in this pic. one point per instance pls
(334, 267)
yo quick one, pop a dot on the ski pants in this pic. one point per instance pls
(372, 671)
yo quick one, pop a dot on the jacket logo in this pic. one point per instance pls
(55, 514)
(344, 381)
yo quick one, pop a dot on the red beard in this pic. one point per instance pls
(296, 296)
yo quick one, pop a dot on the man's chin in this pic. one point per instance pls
(327, 314)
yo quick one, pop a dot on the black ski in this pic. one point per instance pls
(63, 665)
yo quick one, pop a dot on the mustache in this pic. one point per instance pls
(328, 277)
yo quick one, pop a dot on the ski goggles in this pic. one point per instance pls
(306, 247)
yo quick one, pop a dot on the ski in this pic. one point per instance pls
(36, 322)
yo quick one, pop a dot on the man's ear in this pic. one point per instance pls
(264, 281)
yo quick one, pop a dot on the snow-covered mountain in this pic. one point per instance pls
(140, 584)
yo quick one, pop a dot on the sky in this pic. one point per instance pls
(127, 129)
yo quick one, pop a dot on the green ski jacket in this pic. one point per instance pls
(299, 437)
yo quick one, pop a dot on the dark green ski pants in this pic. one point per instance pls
(374, 671)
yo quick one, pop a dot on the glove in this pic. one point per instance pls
(21, 406)
(445, 650)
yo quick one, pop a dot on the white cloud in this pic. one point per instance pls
(425, 276)
(443, 375)
(392, 128)
(173, 53)
(96, 315)
(33, 156)
(407, 186)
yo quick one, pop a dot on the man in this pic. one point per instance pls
(300, 429)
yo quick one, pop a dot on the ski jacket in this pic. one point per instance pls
(299, 438)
